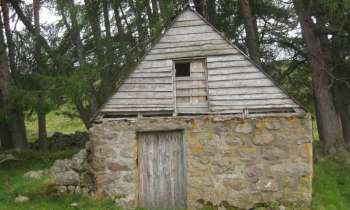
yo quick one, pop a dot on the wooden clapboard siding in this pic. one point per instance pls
(243, 91)
(150, 74)
(192, 53)
(188, 16)
(190, 84)
(130, 110)
(237, 57)
(153, 70)
(188, 23)
(226, 64)
(194, 29)
(229, 84)
(231, 70)
(249, 96)
(144, 95)
(190, 37)
(237, 76)
(250, 102)
(187, 49)
(240, 83)
(194, 43)
(235, 83)
(191, 110)
(151, 80)
(148, 88)
(191, 92)
(265, 106)
(133, 101)
(162, 170)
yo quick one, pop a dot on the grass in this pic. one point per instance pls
(331, 183)
(56, 122)
(13, 184)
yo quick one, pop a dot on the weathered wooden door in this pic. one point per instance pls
(162, 170)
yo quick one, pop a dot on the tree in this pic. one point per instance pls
(40, 69)
(201, 7)
(15, 136)
(328, 121)
(251, 31)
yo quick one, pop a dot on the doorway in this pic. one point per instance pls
(162, 171)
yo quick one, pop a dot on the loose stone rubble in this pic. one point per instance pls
(69, 175)
(73, 175)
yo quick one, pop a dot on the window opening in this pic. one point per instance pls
(182, 69)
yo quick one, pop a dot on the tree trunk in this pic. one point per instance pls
(75, 33)
(166, 10)
(212, 11)
(155, 9)
(107, 24)
(42, 134)
(93, 13)
(118, 20)
(18, 130)
(329, 124)
(342, 98)
(251, 32)
(151, 20)
(201, 7)
(17, 124)
(135, 8)
(5, 137)
(9, 39)
(109, 49)
(14, 135)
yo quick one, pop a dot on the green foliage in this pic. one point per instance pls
(296, 82)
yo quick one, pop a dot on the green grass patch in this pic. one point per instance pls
(57, 121)
(13, 184)
(331, 185)
(315, 134)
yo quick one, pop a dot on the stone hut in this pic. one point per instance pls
(196, 122)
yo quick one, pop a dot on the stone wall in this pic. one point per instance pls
(231, 160)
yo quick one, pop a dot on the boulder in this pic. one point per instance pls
(33, 174)
(267, 185)
(245, 128)
(21, 199)
(67, 178)
(78, 161)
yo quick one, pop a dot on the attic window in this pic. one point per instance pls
(182, 69)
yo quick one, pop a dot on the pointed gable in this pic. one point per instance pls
(232, 82)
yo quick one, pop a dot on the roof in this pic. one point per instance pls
(234, 82)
